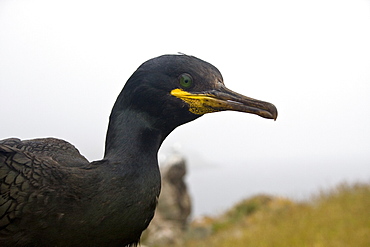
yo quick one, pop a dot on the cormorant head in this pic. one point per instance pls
(175, 89)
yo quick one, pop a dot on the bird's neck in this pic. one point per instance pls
(130, 134)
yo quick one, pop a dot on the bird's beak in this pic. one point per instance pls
(224, 99)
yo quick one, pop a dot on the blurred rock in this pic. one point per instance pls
(170, 222)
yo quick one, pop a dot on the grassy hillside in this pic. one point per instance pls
(339, 217)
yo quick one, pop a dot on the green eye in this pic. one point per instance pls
(186, 81)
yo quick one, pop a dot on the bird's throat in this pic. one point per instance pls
(130, 133)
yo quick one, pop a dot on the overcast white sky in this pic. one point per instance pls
(63, 63)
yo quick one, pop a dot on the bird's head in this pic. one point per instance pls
(175, 89)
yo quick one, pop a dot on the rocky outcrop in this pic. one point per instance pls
(174, 206)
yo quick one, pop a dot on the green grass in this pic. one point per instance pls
(339, 217)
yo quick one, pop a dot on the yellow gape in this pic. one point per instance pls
(199, 103)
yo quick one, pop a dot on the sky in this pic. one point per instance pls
(63, 63)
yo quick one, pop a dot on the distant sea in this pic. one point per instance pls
(216, 187)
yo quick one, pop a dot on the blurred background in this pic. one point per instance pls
(63, 63)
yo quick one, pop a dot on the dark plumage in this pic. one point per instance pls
(52, 196)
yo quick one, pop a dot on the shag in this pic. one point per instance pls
(51, 195)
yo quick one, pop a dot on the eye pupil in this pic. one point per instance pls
(186, 81)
